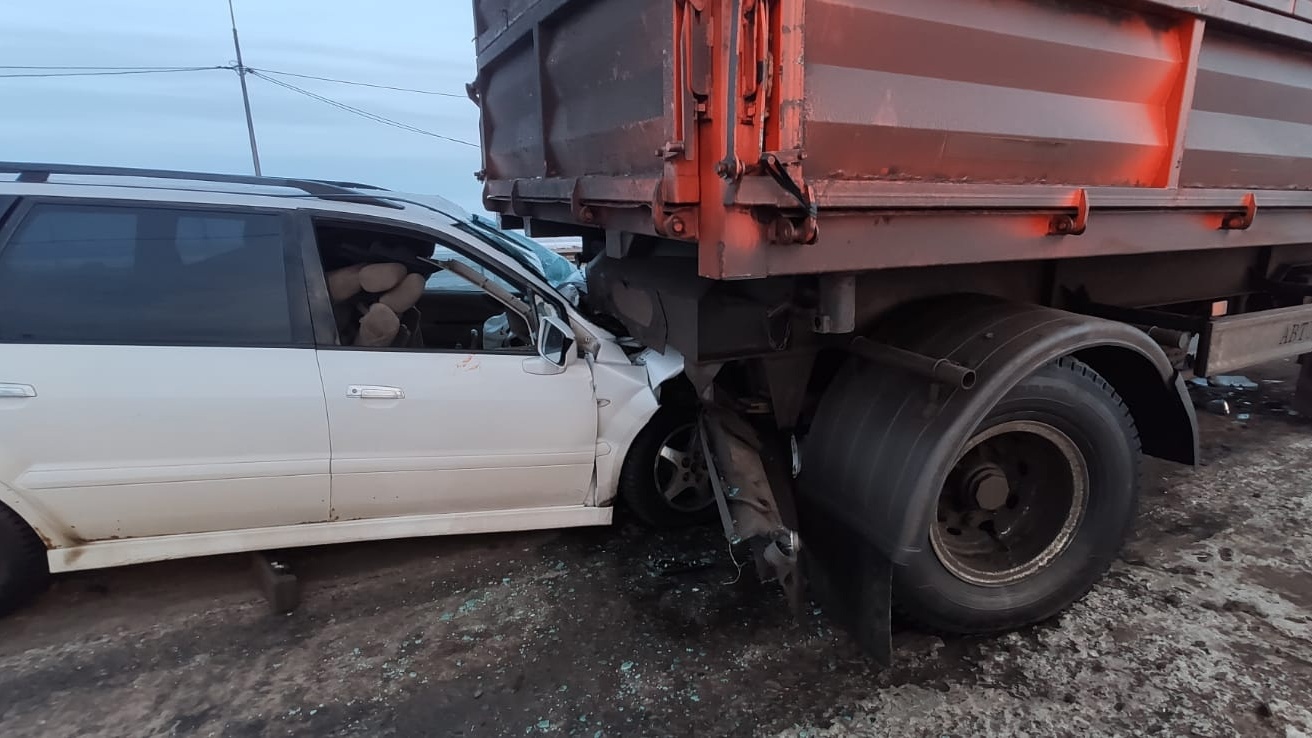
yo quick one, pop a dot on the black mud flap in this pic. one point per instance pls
(852, 580)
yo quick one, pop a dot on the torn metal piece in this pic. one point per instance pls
(746, 501)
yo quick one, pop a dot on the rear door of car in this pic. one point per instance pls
(157, 369)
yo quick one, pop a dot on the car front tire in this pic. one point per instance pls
(664, 479)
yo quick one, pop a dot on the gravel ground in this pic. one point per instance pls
(1203, 627)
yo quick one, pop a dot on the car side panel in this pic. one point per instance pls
(127, 441)
(473, 432)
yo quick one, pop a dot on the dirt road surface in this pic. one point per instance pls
(1202, 628)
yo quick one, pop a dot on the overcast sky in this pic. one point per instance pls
(194, 120)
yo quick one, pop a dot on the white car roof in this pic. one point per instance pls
(64, 180)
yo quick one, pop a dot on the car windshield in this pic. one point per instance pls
(552, 267)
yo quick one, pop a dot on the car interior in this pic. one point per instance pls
(387, 293)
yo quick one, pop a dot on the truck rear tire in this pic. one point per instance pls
(23, 567)
(1033, 512)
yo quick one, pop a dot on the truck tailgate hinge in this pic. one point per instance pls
(1242, 221)
(1066, 224)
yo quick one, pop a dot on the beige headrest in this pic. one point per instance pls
(344, 283)
(378, 327)
(404, 296)
(381, 277)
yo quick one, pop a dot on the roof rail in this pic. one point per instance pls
(344, 191)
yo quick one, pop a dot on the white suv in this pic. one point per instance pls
(196, 364)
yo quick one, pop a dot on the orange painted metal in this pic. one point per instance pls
(812, 136)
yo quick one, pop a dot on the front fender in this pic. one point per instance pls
(625, 403)
(661, 366)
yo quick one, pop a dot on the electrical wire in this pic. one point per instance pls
(93, 67)
(353, 82)
(39, 72)
(98, 72)
(356, 111)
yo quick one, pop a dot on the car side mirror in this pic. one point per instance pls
(555, 341)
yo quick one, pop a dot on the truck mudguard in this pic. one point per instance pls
(883, 440)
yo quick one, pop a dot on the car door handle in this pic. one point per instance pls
(8, 389)
(374, 392)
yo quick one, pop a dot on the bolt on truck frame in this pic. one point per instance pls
(936, 266)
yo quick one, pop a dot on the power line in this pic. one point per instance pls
(37, 72)
(92, 67)
(355, 83)
(102, 72)
(357, 111)
(52, 70)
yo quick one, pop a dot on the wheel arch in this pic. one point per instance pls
(882, 440)
(1164, 415)
(40, 527)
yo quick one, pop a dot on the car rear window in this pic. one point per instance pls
(117, 274)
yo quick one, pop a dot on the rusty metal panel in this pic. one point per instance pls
(609, 100)
(961, 90)
(512, 118)
(494, 16)
(1281, 6)
(573, 88)
(1251, 123)
(817, 136)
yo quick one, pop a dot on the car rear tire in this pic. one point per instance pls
(24, 570)
(1035, 509)
(664, 479)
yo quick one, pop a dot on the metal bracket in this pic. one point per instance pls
(582, 212)
(680, 223)
(1241, 221)
(1068, 225)
(671, 150)
(836, 308)
(784, 229)
(514, 198)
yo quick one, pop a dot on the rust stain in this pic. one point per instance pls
(45, 540)
(469, 364)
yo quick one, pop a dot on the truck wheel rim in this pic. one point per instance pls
(1011, 504)
(680, 472)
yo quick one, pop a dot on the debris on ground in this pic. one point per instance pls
(1203, 626)
(1233, 381)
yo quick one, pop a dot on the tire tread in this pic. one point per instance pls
(927, 622)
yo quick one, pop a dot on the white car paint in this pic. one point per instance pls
(161, 548)
(130, 441)
(661, 367)
(131, 454)
(474, 432)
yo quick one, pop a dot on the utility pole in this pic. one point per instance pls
(245, 97)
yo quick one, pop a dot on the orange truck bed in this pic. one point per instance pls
(812, 136)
